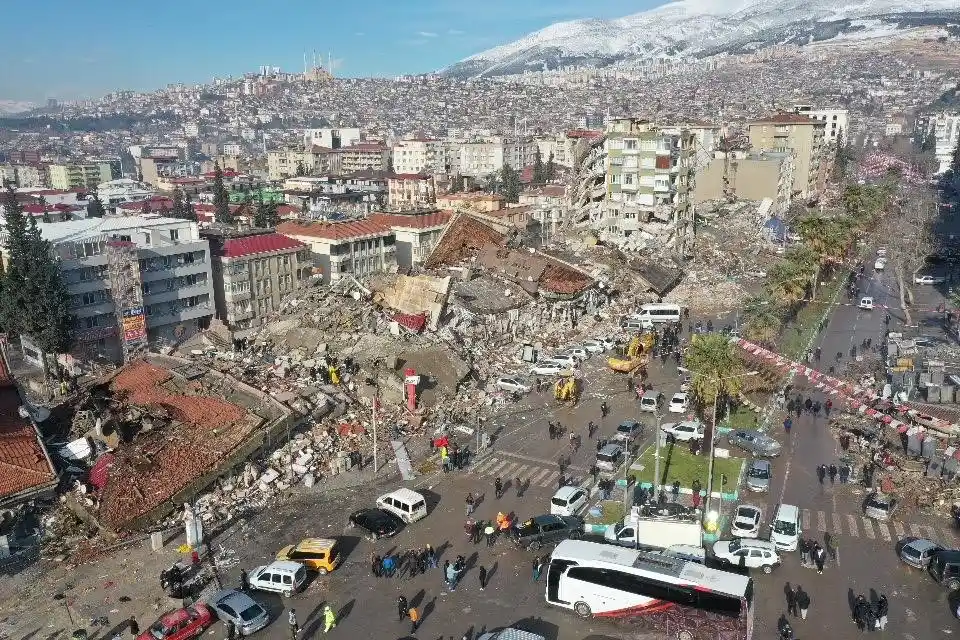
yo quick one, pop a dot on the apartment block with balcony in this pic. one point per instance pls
(418, 155)
(945, 130)
(835, 121)
(749, 176)
(252, 272)
(411, 191)
(171, 263)
(285, 162)
(78, 176)
(364, 156)
(804, 137)
(649, 175)
(416, 234)
(352, 248)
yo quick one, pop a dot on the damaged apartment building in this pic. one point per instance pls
(633, 184)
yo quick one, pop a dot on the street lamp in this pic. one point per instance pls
(656, 455)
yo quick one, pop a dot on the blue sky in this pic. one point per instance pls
(69, 49)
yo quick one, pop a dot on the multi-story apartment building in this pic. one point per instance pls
(548, 207)
(252, 272)
(78, 176)
(8, 175)
(362, 156)
(835, 121)
(706, 139)
(132, 280)
(30, 175)
(416, 234)
(480, 158)
(649, 173)
(791, 132)
(411, 191)
(330, 137)
(419, 155)
(748, 176)
(285, 163)
(945, 129)
(339, 249)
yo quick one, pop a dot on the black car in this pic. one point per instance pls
(540, 530)
(376, 522)
(667, 511)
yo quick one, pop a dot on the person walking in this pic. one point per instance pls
(431, 557)
(821, 473)
(859, 612)
(133, 626)
(537, 567)
(498, 488)
(414, 619)
(787, 424)
(329, 618)
(803, 602)
(292, 624)
(470, 504)
(833, 473)
(402, 608)
(883, 608)
(519, 485)
(231, 630)
(243, 580)
(695, 496)
(451, 574)
(675, 490)
(819, 557)
(869, 617)
(483, 577)
(604, 409)
(791, 601)
(828, 406)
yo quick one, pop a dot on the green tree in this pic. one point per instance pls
(266, 216)
(715, 366)
(145, 207)
(539, 170)
(190, 212)
(301, 169)
(15, 301)
(762, 320)
(95, 207)
(492, 183)
(49, 324)
(43, 207)
(551, 172)
(456, 183)
(511, 183)
(390, 165)
(179, 206)
(787, 281)
(221, 200)
(841, 156)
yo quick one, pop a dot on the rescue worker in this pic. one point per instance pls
(329, 618)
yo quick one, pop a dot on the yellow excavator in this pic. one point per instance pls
(635, 355)
(567, 388)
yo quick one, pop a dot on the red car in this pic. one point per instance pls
(181, 624)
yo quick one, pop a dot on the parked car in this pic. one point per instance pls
(746, 521)
(944, 568)
(752, 554)
(667, 511)
(568, 501)
(579, 352)
(866, 303)
(181, 624)
(546, 369)
(684, 431)
(243, 611)
(880, 264)
(880, 506)
(628, 431)
(378, 523)
(928, 279)
(678, 403)
(540, 530)
(758, 475)
(280, 576)
(607, 341)
(318, 554)
(651, 401)
(917, 552)
(566, 359)
(513, 385)
(594, 346)
(759, 444)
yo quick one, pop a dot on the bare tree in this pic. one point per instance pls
(912, 212)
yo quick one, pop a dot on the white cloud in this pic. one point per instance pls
(454, 32)
(359, 34)
(426, 34)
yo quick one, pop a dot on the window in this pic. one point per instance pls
(630, 143)
(174, 234)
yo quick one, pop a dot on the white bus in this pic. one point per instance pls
(684, 599)
(657, 312)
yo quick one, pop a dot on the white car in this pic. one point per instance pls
(684, 431)
(280, 576)
(546, 369)
(746, 522)
(578, 352)
(568, 501)
(514, 385)
(928, 280)
(752, 554)
(678, 403)
(880, 264)
(882, 252)
(866, 303)
(608, 343)
(566, 359)
(594, 346)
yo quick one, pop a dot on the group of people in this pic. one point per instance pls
(871, 616)
(812, 553)
(834, 472)
(414, 561)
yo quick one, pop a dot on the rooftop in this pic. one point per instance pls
(75, 230)
(785, 118)
(333, 230)
(264, 243)
(412, 221)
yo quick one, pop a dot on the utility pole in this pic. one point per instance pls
(713, 441)
(656, 456)
(376, 399)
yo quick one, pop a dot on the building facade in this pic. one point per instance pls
(804, 137)
(286, 162)
(748, 176)
(416, 234)
(411, 191)
(339, 249)
(132, 280)
(252, 272)
(331, 137)
(945, 130)
(78, 176)
(835, 121)
(366, 156)
(418, 155)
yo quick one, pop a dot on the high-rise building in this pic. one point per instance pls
(791, 132)
(78, 176)
(944, 128)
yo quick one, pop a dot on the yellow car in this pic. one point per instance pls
(319, 554)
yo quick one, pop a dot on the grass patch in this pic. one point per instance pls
(740, 418)
(677, 463)
(798, 333)
(613, 512)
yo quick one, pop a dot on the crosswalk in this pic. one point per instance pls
(858, 526)
(533, 472)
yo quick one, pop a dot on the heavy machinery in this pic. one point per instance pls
(567, 388)
(635, 355)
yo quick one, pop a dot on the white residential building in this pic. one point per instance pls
(835, 121)
(339, 249)
(945, 129)
(331, 138)
(418, 155)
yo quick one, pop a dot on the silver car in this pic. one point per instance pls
(243, 611)
(918, 552)
(758, 475)
(759, 444)
(880, 506)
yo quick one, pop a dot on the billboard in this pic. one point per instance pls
(134, 324)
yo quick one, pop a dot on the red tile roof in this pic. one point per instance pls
(584, 133)
(413, 322)
(333, 230)
(413, 221)
(362, 146)
(410, 176)
(785, 118)
(264, 243)
(23, 463)
(156, 203)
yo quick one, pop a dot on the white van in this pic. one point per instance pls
(406, 504)
(657, 312)
(281, 576)
(785, 529)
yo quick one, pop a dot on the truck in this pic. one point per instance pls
(653, 533)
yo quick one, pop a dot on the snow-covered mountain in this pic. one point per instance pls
(699, 28)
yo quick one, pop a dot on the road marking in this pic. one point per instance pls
(852, 522)
(898, 529)
(884, 531)
(520, 456)
(821, 521)
(481, 468)
(806, 519)
(837, 525)
(508, 472)
(550, 479)
(521, 472)
(540, 476)
(491, 471)
(915, 530)
(868, 528)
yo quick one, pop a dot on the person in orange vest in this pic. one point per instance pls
(414, 619)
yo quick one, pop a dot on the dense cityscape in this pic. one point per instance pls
(658, 350)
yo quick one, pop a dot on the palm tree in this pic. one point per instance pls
(763, 320)
(787, 282)
(716, 367)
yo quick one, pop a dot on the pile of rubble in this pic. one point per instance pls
(705, 290)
